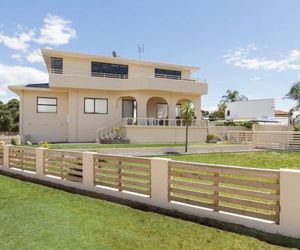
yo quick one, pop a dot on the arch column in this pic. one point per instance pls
(172, 108)
(141, 107)
(197, 103)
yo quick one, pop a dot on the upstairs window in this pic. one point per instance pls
(109, 70)
(168, 74)
(228, 112)
(47, 105)
(95, 105)
(56, 65)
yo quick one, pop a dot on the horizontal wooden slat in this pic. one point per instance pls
(274, 174)
(247, 203)
(135, 183)
(107, 178)
(100, 171)
(249, 213)
(191, 202)
(136, 168)
(106, 184)
(136, 190)
(136, 176)
(193, 193)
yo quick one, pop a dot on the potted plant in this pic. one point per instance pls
(212, 138)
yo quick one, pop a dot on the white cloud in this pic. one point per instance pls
(56, 31)
(21, 75)
(18, 75)
(34, 56)
(17, 57)
(17, 41)
(240, 58)
(256, 78)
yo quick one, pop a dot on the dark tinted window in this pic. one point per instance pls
(109, 70)
(165, 73)
(56, 65)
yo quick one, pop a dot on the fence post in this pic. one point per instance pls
(88, 168)
(160, 181)
(290, 202)
(39, 161)
(6, 155)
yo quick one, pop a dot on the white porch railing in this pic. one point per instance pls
(161, 122)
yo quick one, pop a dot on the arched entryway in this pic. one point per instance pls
(157, 107)
(178, 106)
(128, 107)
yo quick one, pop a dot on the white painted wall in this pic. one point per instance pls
(252, 109)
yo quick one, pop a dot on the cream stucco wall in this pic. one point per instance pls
(71, 124)
(44, 126)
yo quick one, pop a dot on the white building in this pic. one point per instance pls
(250, 110)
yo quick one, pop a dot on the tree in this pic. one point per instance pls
(187, 114)
(230, 96)
(233, 96)
(294, 94)
(9, 116)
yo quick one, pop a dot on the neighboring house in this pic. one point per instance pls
(89, 96)
(250, 110)
(281, 113)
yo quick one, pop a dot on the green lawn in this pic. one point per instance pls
(99, 146)
(258, 159)
(38, 217)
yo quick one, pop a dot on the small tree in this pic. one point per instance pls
(187, 114)
(294, 94)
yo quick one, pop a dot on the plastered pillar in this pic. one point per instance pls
(6, 155)
(159, 181)
(290, 202)
(88, 169)
(39, 154)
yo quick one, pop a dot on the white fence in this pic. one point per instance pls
(268, 200)
(279, 140)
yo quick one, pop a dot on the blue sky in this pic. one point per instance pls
(250, 46)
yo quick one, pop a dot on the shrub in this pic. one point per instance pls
(13, 141)
(211, 137)
(248, 124)
(44, 144)
(297, 128)
(2, 143)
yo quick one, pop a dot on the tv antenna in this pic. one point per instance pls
(140, 50)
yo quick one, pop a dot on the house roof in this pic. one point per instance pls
(281, 113)
(37, 85)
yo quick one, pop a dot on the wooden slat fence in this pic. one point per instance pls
(123, 173)
(22, 158)
(242, 191)
(1, 154)
(240, 137)
(280, 140)
(64, 164)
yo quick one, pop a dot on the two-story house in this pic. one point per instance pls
(89, 96)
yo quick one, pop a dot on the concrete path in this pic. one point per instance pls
(155, 151)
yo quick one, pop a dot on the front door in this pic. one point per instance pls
(128, 109)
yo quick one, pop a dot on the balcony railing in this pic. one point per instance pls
(165, 76)
(109, 75)
(114, 76)
(151, 122)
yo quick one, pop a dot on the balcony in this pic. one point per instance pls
(119, 82)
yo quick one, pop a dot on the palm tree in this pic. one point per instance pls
(187, 114)
(233, 96)
(294, 94)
